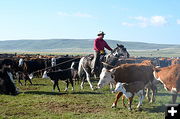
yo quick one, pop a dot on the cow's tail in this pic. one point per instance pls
(80, 67)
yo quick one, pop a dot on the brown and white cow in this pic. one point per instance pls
(129, 90)
(126, 73)
(170, 77)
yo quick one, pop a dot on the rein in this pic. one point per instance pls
(108, 64)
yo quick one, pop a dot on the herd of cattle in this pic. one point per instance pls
(130, 76)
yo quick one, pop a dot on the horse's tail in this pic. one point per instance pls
(80, 67)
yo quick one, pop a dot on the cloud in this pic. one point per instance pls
(77, 14)
(158, 20)
(143, 22)
(138, 21)
(178, 21)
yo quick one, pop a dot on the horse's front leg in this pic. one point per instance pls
(118, 95)
(82, 83)
(88, 78)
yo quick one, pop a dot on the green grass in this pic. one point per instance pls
(167, 52)
(39, 102)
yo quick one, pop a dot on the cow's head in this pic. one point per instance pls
(106, 77)
(21, 62)
(119, 87)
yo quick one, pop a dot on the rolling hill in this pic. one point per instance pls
(78, 46)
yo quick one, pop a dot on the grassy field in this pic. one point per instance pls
(167, 52)
(37, 101)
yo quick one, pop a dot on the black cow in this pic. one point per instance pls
(64, 75)
(30, 68)
(5, 62)
(7, 85)
(67, 67)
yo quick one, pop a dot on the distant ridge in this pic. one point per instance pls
(74, 45)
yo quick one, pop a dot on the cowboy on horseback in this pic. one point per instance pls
(99, 45)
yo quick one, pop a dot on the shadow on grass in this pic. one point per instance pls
(86, 92)
(60, 93)
(155, 109)
(44, 93)
(34, 84)
(165, 94)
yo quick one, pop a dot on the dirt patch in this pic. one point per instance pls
(77, 108)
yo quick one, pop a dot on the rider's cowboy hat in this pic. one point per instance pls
(101, 33)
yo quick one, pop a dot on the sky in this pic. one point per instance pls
(150, 21)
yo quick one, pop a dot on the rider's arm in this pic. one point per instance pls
(107, 46)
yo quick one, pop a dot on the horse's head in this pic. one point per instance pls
(120, 51)
(112, 58)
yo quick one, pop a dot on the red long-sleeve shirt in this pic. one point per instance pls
(100, 44)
